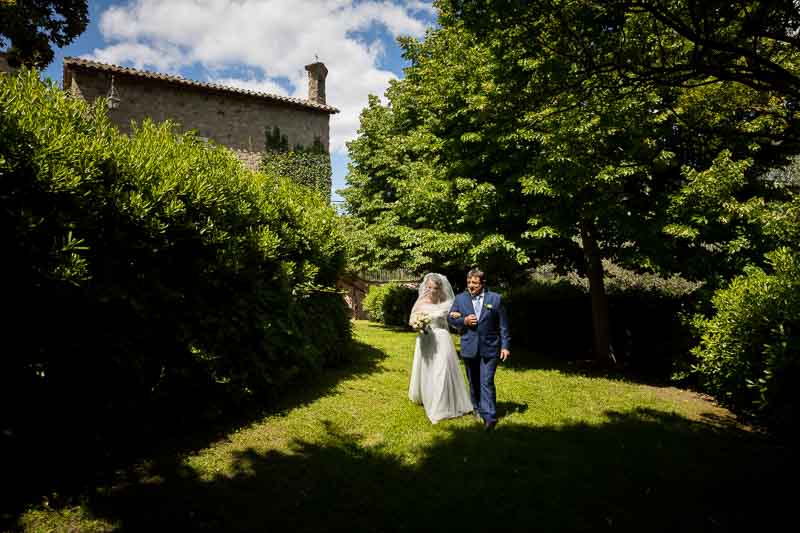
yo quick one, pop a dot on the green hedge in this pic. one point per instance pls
(550, 316)
(649, 334)
(149, 276)
(390, 303)
(749, 354)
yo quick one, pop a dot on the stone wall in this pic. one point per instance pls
(250, 159)
(237, 121)
(355, 290)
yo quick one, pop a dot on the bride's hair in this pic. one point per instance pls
(434, 293)
(444, 295)
(440, 292)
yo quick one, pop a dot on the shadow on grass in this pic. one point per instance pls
(506, 408)
(642, 470)
(71, 463)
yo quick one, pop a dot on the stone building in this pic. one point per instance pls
(354, 289)
(236, 118)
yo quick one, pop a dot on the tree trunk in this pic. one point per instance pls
(597, 290)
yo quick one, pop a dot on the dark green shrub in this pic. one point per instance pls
(390, 303)
(552, 314)
(149, 278)
(397, 305)
(373, 302)
(749, 353)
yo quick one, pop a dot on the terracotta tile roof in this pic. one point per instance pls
(86, 63)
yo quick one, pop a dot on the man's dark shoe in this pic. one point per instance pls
(489, 426)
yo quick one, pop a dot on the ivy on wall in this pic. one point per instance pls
(308, 166)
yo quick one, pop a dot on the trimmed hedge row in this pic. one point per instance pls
(149, 276)
(649, 334)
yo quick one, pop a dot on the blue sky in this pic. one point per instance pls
(261, 45)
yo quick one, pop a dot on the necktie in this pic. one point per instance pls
(477, 303)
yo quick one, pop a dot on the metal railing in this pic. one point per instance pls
(385, 276)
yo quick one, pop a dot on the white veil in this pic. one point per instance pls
(442, 295)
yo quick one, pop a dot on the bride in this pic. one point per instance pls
(436, 380)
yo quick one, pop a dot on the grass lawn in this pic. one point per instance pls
(572, 452)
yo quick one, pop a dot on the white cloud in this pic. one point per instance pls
(141, 56)
(275, 38)
(394, 17)
(423, 6)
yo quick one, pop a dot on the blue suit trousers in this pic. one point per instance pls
(480, 373)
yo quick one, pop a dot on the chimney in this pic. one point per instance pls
(316, 82)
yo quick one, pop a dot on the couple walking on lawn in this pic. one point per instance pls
(479, 317)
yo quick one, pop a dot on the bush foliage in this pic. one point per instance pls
(151, 273)
(749, 354)
(390, 303)
(309, 166)
(552, 314)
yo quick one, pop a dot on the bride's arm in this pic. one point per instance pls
(411, 315)
(457, 323)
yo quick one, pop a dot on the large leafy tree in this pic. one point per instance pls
(31, 27)
(468, 166)
(419, 198)
(732, 68)
(671, 43)
(502, 129)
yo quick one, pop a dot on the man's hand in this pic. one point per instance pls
(504, 354)
(470, 320)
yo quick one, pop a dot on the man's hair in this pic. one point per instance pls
(477, 273)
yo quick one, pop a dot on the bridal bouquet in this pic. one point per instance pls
(420, 322)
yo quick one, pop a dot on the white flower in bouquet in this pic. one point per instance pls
(420, 322)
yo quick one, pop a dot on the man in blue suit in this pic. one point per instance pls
(480, 318)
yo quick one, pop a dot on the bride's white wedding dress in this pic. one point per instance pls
(436, 380)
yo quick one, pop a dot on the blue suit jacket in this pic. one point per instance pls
(490, 334)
